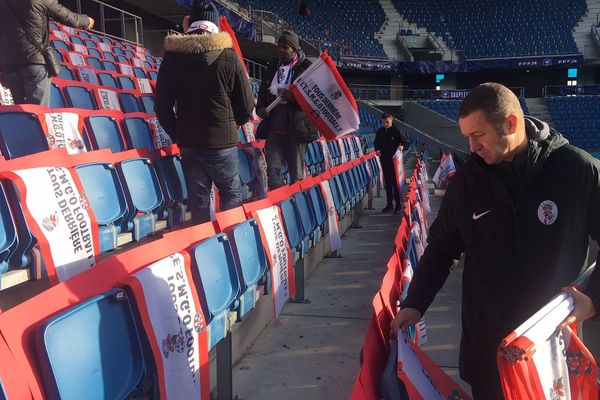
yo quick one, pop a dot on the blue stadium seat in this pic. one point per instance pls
(103, 189)
(24, 255)
(66, 73)
(293, 228)
(250, 256)
(8, 233)
(126, 82)
(137, 133)
(147, 103)
(104, 133)
(174, 187)
(214, 268)
(129, 103)
(92, 350)
(107, 80)
(144, 195)
(308, 217)
(21, 134)
(246, 174)
(57, 99)
(80, 97)
(319, 207)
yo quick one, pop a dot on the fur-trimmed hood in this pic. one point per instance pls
(198, 44)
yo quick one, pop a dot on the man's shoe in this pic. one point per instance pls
(388, 207)
(398, 210)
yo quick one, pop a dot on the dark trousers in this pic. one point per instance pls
(202, 168)
(389, 176)
(280, 149)
(30, 85)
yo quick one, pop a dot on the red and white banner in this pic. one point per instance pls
(445, 171)
(126, 69)
(161, 138)
(224, 26)
(61, 35)
(343, 155)
(536, 362)
(108, 100)
(140, 55)
(105, 47)
(325, 98)
(399, 169)
(358, 146)
(214, 202)
(64, 131)
(172, 317)
(137, 62)
(381, 181)
(68, 29)
(6, 98)
(327, 159)
(60, 218)
(335, 242)
(80, 48)
(259, 165)
(279, 255)
(249, 129)
(424, 380)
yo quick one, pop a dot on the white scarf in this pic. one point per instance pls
(283, 78)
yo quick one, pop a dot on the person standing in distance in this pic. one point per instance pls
(388, 140)
(287, 128)
(22, 65)
(204, 76)
(522, 209)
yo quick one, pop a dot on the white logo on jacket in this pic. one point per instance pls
(547, 212)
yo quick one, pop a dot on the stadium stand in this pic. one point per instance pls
(449, 108)
(356, 22)
(577, 117)
(465, 25)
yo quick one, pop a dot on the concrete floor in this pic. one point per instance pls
(312, 351)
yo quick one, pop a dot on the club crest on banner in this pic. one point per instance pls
(173, 343)
(51, 222)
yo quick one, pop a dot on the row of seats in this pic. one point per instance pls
(229, 269)
(485, 28)
(576, 117)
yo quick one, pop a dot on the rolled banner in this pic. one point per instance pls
(274, 104)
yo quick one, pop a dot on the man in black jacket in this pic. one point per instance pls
(388, 140)
(22, 63)
(287, 128)
(522, 210)
(203, 75)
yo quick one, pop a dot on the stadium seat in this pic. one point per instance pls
(246, 175)
(8, 233)
(294, 228)
(144, 195)
(104, 191)
(129, 103)
(21, 133)
(214, 268)
(104, 133)
(80, 97)
(172, 180)
(250, 256)
(57, 99)
(92, 350)
(137, 133)
(308, 217)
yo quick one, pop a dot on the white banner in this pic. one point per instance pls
(105, 47)
(161, 138)
(380, 172)
(145, 86)
(399, 168)
(335, 241)
(327, 159)
(88, 75)
(444, 172)
(126, 69)
(62, 36)
(358, 146)
(80, 48)
(259, 164)
(63, 132)
(414, 371)
(141, 56)
(213, 202)
(176, 322)
(278, 251)
(343, 155)
(68, 29)
(108, 100)
(77, 59)
(249, 129)
(61, 212)
(6, 98)
(137, 62)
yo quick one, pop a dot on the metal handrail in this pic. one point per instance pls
(139, 34)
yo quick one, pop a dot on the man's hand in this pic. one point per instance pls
(91, 23)
(401, 148)
(405, 318)
(287, 95)
(583, 307)
(262, 112)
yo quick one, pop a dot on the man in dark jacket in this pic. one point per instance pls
(522, 209)
(387, 141)
(288, 129)
(203, 75)
(22, 63)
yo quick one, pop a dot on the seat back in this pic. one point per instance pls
(248, 251)
(21, 134)
(137, 133)
(148, 103)
(8, 232)
(142, 184)
(92, 350)
(106, 79)
(104, 133)
(214, 265)
(318, 204)
(172, 178)
(103, 189)
(129, 103)
(246, 171)
(307, 214)
(57, 100)
(126, 82)
(80, 97)
(292, 221)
